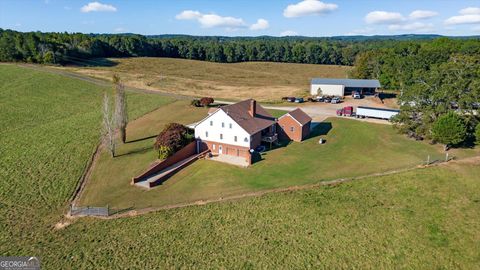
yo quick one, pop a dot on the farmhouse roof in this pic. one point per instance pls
(300, 116)
(360, 83)
(239, 112)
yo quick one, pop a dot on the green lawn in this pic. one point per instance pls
(353, 148)
(423, 219)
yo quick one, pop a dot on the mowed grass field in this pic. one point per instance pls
(260, 80)
(353, 148)
(423, 219)
(50, 126)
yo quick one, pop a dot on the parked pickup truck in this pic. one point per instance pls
(380, 113)
(345, 111)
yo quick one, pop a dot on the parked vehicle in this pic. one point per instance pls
(345, 111)
(380, 113)
(260, 148)
(356, 95)
(336, 100)
(320, 98)
(310, 99)
(327, 99)
(299, 100)
(291, 99)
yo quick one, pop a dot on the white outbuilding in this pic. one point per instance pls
(342, 87)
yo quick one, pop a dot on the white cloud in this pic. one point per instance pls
(412, 27)
(308, 7)
(422, 14)
(288, 33)
(97, 7)
(470, 10)
(362, 31)
(188, 15)
(383, 17)
(261, 24)
(470, 15)
(476, 29)
(213, 20)
(463, 19)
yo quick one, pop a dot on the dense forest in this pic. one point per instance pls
(392, 60)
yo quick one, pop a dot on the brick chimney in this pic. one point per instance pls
(253, 108)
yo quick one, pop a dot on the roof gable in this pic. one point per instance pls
(348, 82)
(239, 112)
(300, 116)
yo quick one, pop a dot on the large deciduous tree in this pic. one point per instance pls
(449, 129)
(451, 86)
(108, 131)
(172, 138)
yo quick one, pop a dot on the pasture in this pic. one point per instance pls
(50, 128)
(422, 219)
(264, 81)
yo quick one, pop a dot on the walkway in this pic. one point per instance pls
(162, 175)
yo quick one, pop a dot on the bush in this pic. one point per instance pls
(205, 101)
(449, 129)
(195, 102)
(164, 152)
(477, 134)
(172, 138)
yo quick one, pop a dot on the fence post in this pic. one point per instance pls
(446, 157)
(428, 160)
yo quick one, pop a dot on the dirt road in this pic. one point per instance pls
(319, 111)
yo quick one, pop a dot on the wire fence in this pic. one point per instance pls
(97, 211)
(438, 158)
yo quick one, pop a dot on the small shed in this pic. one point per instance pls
(295, 125)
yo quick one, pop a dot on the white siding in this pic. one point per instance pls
(214, 131)
(327, 89)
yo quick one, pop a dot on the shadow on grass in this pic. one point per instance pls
(142, 139)
(320, 129)
(81, 61)
(138, 151)
(120, 211)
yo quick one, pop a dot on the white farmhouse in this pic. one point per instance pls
(234, 130)
(342, 87)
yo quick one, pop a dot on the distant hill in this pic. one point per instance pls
(338, 38)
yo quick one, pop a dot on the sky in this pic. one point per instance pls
(245, 17)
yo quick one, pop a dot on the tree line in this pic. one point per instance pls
(375, 57)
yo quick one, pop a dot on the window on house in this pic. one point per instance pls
(230, 125)
(211, 123)
(292, 129)
(223, 124)
(235, 138)
(221, 136)
(246, 139)
(206, 133)
(213, 146)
